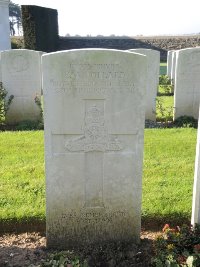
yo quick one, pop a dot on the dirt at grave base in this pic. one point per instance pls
(21, 250)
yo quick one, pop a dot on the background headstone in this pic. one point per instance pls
(173, 67)
(21, 77)
(196, 187)
(153, 69)
(169, 63)
(5, 43)
(94, 124)
(187, 83)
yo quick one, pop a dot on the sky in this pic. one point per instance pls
(124, 17)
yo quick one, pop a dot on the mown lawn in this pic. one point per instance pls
(22, 192)
(169, 157)
(167, 178)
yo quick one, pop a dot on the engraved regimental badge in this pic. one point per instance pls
(96, 137)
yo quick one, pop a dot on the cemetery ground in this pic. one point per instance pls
(168, 170)
(167, 195)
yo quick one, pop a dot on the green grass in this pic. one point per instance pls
(167, 179)
(22, 175)
(169, 157)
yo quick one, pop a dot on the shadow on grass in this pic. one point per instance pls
(22, 226)
(157, 222)
(150, 223)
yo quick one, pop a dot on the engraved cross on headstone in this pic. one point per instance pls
(94, 143)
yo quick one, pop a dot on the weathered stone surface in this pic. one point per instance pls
(4, 26)
(153, 69)
(187, 83)
(94, 124)
(196, 187)
(21, 77)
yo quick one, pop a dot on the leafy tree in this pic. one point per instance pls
(15, 17)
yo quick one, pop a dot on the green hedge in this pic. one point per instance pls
(40, 26)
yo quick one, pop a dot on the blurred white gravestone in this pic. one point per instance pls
(196, 187)
(173, 69)
(169, 63)
(94, 126)
(187, 83)
(153, 70)
(5, 43)
(21, 77)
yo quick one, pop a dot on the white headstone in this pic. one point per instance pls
(187, 83)
(4, 25)
(21, 77)
(94, 120)
(196, 187)
(153, 70)
(169, 63)
(173, 67)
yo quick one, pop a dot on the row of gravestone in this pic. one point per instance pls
(183, 67)
(21, 76)
(94, 146)
(94, 112)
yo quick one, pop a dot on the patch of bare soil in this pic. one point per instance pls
(22, 250)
